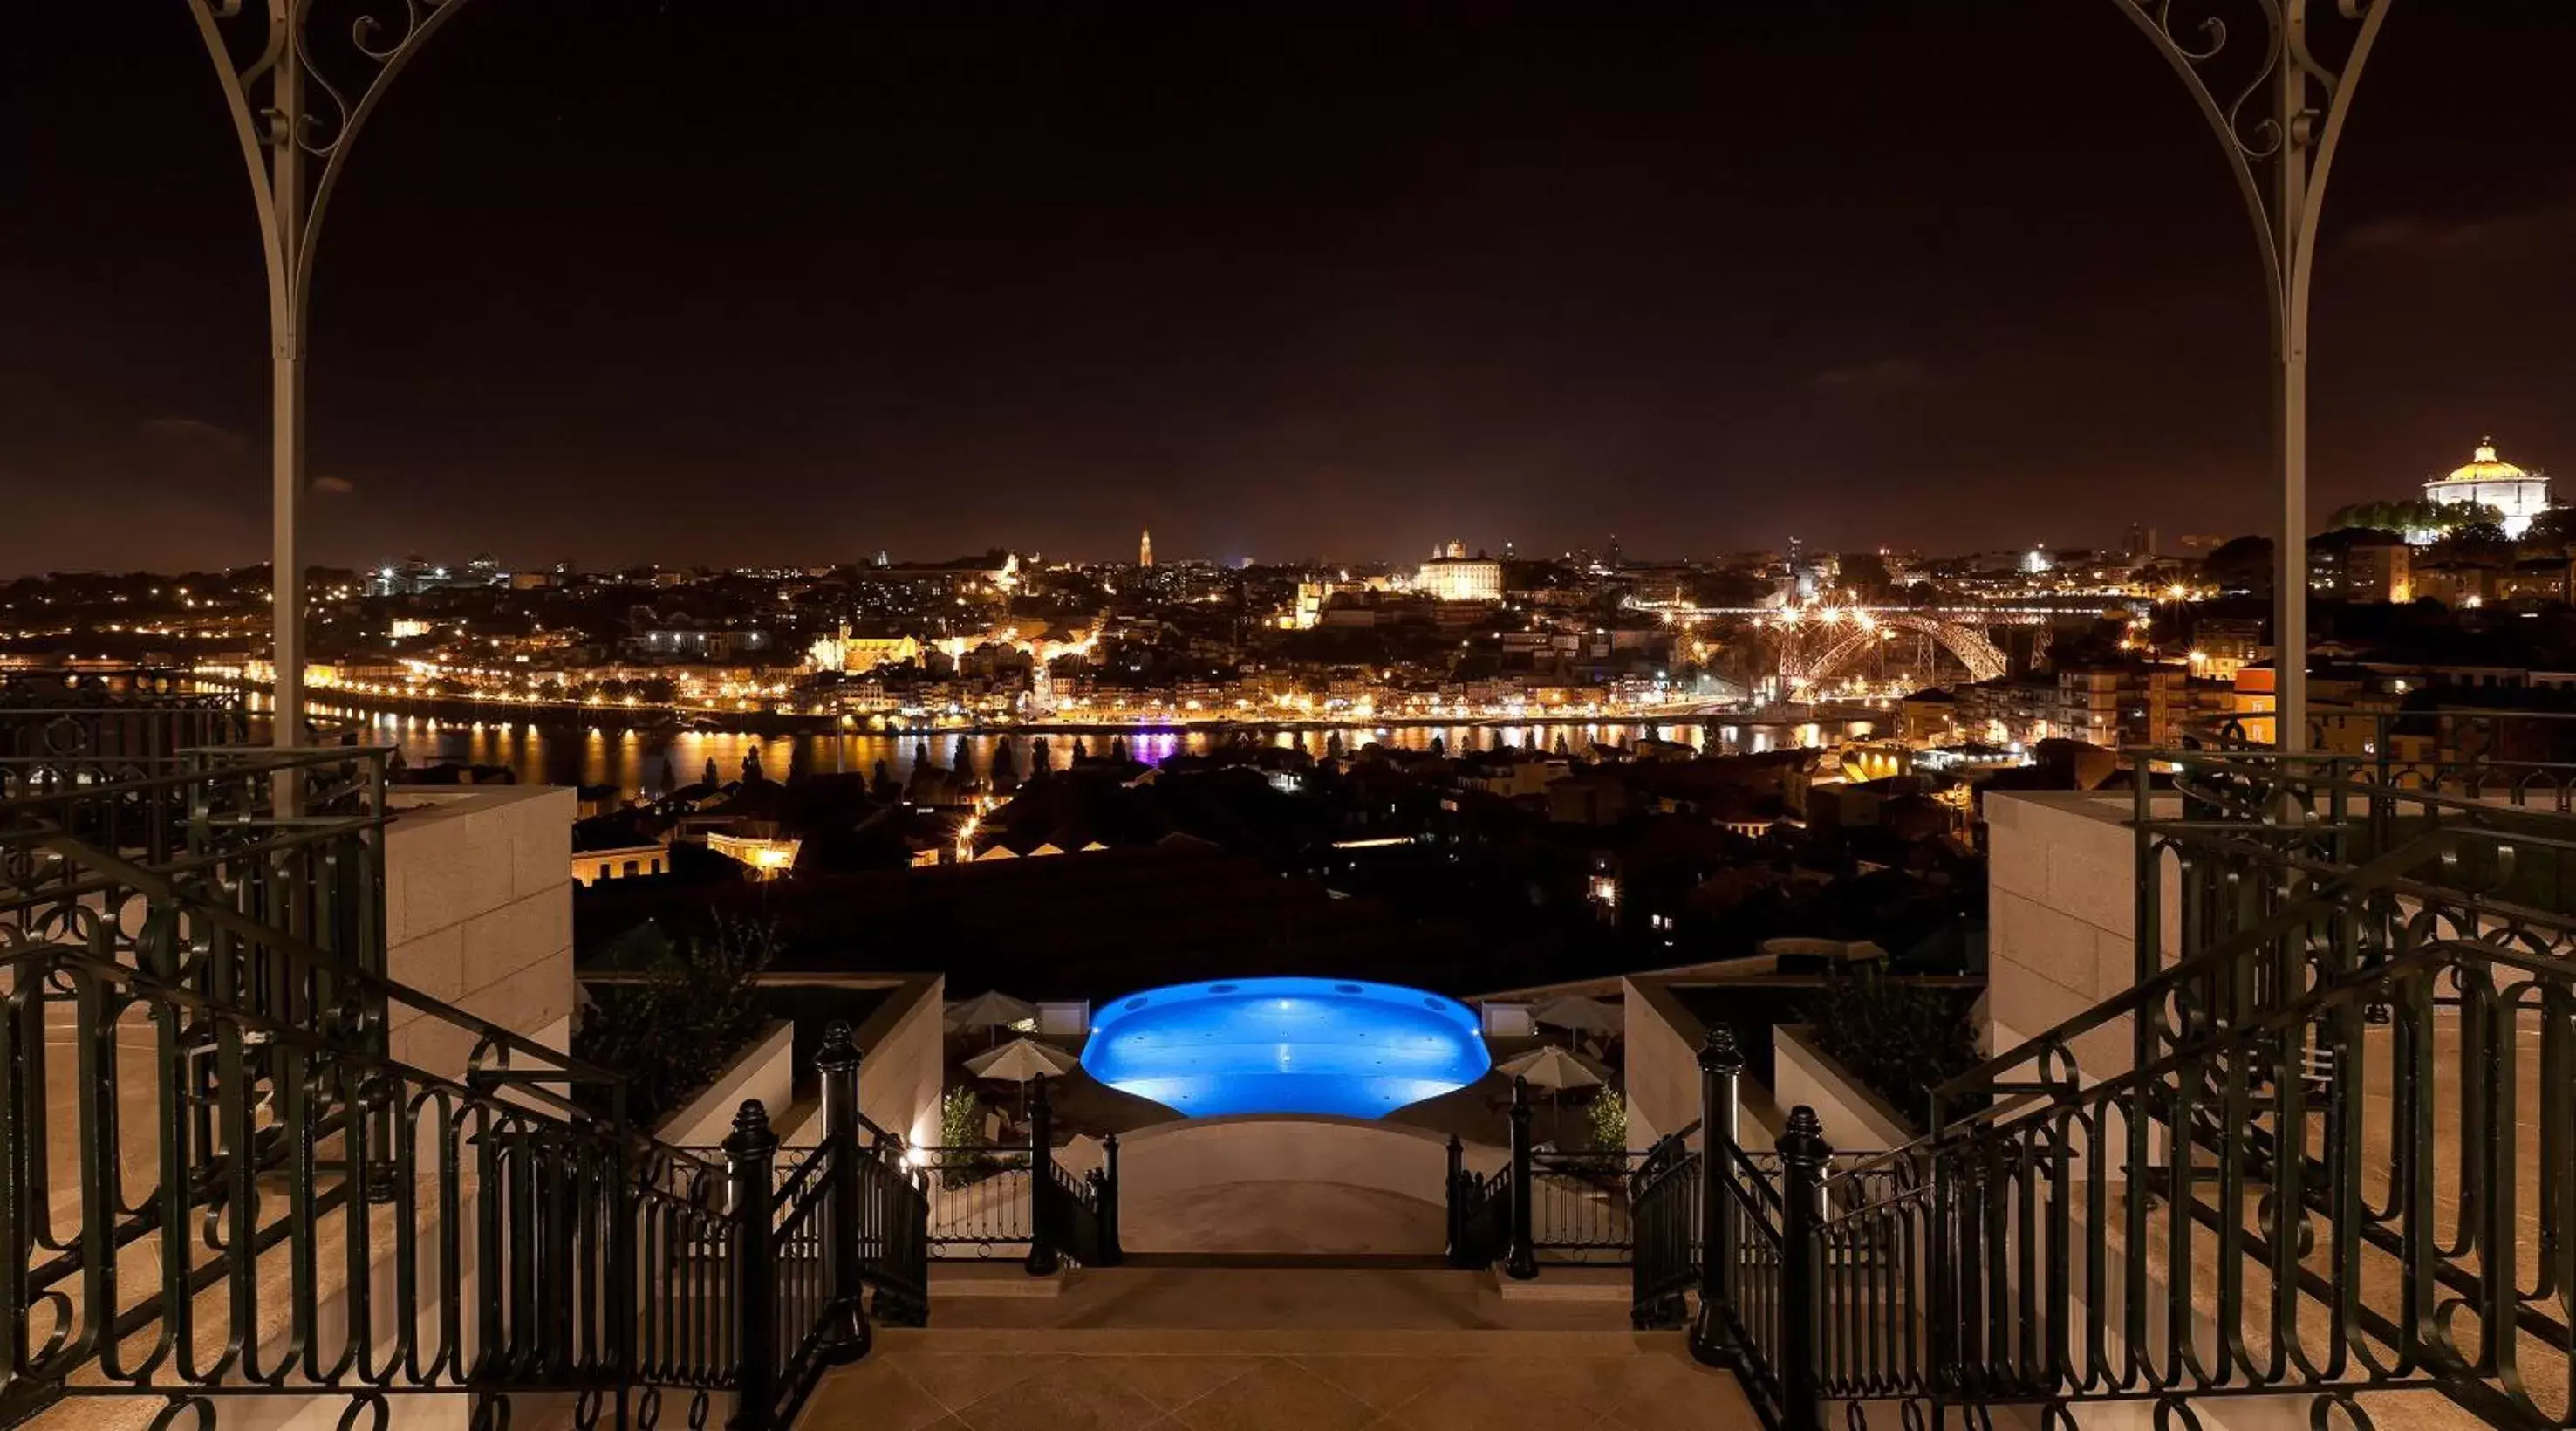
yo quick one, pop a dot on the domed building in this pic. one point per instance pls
(2494, 482)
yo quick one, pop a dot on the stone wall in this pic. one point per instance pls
(478, 912)
(1660, 1041)
(765, 1069)
(902, 1063)
(1855, 1119)
(2062, 906)
(1194, 1153)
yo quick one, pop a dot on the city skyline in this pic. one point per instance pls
(1330, 285)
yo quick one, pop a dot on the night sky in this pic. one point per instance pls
(727, 281)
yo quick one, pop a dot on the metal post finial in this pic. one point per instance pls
(1718, 1053)
(750, 1129)
(838, 1048)
(1804, 1137)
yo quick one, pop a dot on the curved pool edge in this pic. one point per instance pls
(1285, 1045)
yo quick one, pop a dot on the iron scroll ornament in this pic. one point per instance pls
(298, 61)
(2230, 52)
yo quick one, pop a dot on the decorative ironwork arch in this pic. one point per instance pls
(299, 79)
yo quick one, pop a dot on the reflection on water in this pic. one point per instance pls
(632, 760)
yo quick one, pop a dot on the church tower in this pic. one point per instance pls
(1145, 548)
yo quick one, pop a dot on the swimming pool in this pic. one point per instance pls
(1334, 1046)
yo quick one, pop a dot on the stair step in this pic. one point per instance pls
(1613, 1285)
(1292, 1261)
(1271, 1341)
(990, 1279)
(1285, 1295)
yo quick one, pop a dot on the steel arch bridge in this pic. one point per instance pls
(1813, 649)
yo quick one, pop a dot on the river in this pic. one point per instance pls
(632, 759)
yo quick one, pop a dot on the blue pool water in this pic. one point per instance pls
(1285, 1046)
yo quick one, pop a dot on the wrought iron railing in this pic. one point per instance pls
(1579, 1205)
(2519, 757)
(1480, 1212)
(1551, 1206)
(221, 1181)
(892, 1224)
(1744, 1303)
(89, 728)
(979, 1201)
(1666, 1201)
(1070, 1217)
(2305, 1161)
(1000, 1200)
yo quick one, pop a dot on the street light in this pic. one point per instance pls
(2259, 97)
(295, 148)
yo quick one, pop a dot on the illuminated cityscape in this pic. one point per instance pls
(1800, 752)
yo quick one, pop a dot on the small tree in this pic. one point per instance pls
(964, 760)
(1006, 769)
(751, 766)
(712, 776)
(670, 775)
(1440, 746)
(1081, 750)
(1118, 749)
(1041, 758)
(1333, 745)
(961, 1136)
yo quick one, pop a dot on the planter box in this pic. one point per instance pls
(1856, 1119)
(765, 1069)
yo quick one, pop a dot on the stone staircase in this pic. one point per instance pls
(1313, 1348)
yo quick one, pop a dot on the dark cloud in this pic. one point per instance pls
(193, 437)
(2546, 223)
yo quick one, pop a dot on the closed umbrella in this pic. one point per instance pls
(990, 1010)
(1555, 1070)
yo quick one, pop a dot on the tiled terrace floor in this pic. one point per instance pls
(1277, 1349)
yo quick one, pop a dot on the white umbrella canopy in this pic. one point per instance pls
(1555, 1069)
(989, 1010)
(1019, 1061)
(1580, 1014)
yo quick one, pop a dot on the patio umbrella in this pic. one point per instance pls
(1555, 1070)
(989, 1010)
(1019, 1061)
(1580, 1014)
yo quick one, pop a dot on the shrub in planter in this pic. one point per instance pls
(961, 1133)
(672, 1031)
(1609, 1122)
(1897, 1037)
